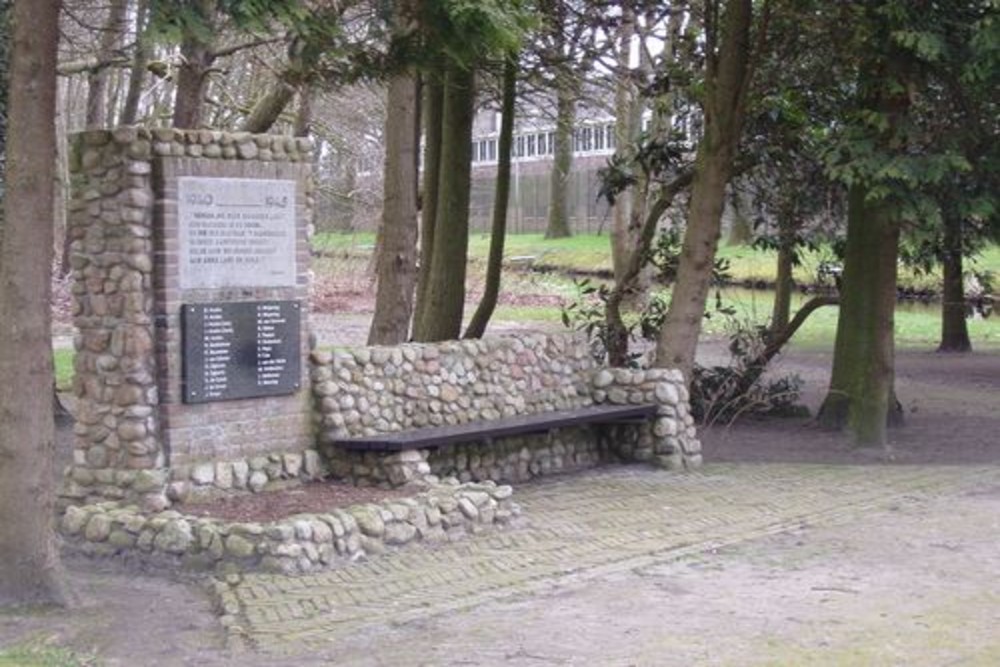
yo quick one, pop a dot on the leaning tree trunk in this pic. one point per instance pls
(192, 75)
(562, 162)
(679, 337)
(269, 107)
(954, 330)
(31, 572)
(617, 332)
(861, 383)
(498, 232)
(442, 319)
(397, 258)
(433, 117)
(727, 80)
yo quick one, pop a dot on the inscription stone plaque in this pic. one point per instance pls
(241, 349)
(236, 232)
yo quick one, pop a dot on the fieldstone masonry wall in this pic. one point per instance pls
(132, 427)
(299, 544)
(136, 438)
(372, 390)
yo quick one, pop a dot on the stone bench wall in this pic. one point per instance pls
(375, 390)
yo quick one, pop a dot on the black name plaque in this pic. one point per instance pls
(240, 349)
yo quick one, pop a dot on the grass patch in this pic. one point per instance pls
(918, 325)
(537, 314)
(39, 654)
(63, 359)
(592, 252)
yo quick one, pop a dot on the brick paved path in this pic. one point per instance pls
(584, 525)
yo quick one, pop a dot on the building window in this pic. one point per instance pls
(610, 131)
(552, 143)
(598, 138)
(519, 147)
(531, 145)
(491, 150)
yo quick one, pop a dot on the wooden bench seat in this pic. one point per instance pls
(437, 436)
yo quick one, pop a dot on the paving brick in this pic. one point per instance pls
(580, 525)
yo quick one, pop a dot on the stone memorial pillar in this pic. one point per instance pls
(190, 265)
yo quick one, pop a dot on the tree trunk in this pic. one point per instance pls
(741, 231)
(97, 79)
(4, 72)
(269, 107)
(617, 341)
(562, 162)
(397, 259)
(727, 79)
(625, 101)
(31, 572)
(137, 73)
(954, 330)
(304, 114)
(783, 283)
(428, 201)
(477, 327)
(445, 296)
(861, 382)
(192, 75)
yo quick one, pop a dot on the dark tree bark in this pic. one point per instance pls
(562, 163)
(97, 79)
(397, 254)
(31, 572)
(727, 79)
(442, 319)
(954, 330)
(192, 76)
(498, 232)
(860, 397)
(434, 130)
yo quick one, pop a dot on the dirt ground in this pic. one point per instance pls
(915, 584)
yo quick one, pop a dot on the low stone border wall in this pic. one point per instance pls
(155, 490)
(299, 544)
